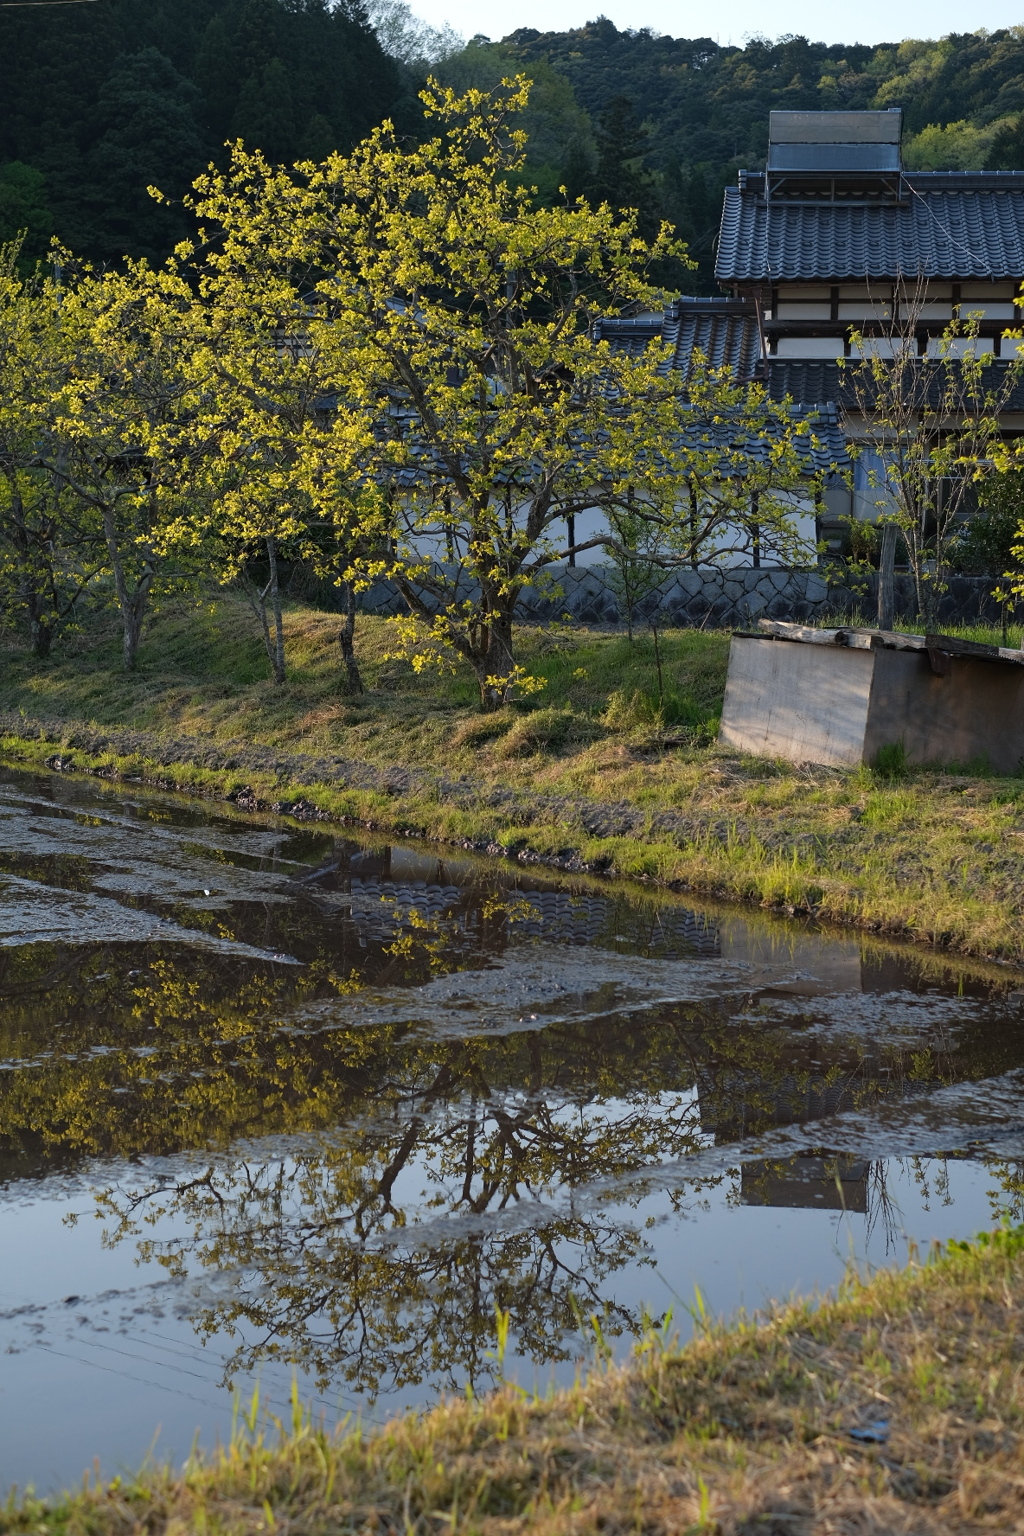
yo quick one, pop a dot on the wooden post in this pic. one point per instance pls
(887, 576)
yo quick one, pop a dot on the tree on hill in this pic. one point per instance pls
(560, 147)
(25, 214)
(1006, 152)
(147, 113)
(620, 178)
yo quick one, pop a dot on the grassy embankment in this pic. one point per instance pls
(747, 1429)
(594, 773)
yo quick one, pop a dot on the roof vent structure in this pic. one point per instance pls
(834, 156)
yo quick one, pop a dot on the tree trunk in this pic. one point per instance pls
(274, 587)
(346, 639)
(657, 658)
(498, 661)
(887, 577)
(132, 604)
(40, 629)
(133, 631)
(693, 525)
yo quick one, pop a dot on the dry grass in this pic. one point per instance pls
(597, 776)
(746, 1429)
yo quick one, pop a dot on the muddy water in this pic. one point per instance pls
(278, 1104)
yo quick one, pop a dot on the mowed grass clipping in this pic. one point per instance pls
(610, 768)
(896, 1407)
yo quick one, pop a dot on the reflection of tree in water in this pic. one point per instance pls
(381, 1253)
(427, 1181)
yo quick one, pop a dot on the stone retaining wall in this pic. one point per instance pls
(727, 599)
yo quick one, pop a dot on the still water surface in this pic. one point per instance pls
(280, 1104)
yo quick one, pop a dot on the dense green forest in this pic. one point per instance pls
(102, 100)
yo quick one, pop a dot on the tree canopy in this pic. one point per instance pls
(101, 101)
(470, 412)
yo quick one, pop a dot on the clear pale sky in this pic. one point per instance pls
(872, 21)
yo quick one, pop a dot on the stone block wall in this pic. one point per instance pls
(731, 598)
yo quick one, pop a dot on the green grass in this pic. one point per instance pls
(203, 669)
(597, 771)
(747, 1429)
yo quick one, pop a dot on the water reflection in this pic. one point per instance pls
(351, 1102)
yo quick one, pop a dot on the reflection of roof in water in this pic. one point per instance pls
(740, 1103)
(380, 908)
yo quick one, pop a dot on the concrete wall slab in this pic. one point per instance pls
(805, 703)
(973, 714)
(838, 706)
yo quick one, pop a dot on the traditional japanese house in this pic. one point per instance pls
(834, 236)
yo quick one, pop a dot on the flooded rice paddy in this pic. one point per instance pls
(279, 1104)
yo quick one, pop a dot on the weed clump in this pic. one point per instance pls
(891, 762)
(631, 712)
(480, 729)
(538, 731)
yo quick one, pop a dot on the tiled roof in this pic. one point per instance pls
(818, 439)
(809, 382)
(947, 225)
(723, 329)
(803, 379)
(630, 335)
(726, 333)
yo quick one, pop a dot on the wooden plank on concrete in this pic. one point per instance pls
(857, 636)
(892, 639)
(779, 629)
(954, 646)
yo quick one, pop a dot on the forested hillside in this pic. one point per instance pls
(671, 119)
(101, 100)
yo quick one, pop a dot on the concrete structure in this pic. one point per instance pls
(837, 697)
(807, 1183)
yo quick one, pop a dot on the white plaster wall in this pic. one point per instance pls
(961, 346)
(829, 347)
(878, 346)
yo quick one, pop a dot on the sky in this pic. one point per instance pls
(871, 21)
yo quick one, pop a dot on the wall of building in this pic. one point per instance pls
(813, 321)
(731, 599)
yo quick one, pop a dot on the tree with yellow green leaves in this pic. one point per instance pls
(51, 543)
(467, 411)
(126, 430)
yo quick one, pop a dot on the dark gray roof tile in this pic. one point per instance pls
(948, 225)
(724, 330)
